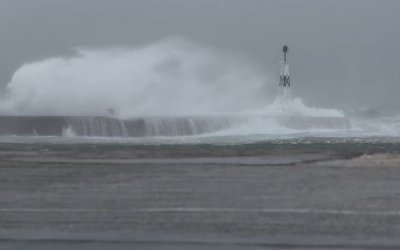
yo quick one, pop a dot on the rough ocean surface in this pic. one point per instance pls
(291, 194)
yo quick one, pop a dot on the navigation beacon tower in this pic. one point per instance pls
(284, 82)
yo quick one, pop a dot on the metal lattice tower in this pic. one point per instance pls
(284, 82)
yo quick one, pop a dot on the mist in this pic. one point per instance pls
(170, 77)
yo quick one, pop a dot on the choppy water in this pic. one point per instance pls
(295, 138)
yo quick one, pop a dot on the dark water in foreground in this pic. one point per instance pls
(207, 146)
(238, 192)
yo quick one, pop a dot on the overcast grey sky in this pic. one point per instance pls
(342, 52)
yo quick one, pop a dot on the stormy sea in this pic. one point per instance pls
(175, 146)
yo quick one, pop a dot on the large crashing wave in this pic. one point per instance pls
(171, 77)
(173, 87)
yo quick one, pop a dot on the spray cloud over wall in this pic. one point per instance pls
(183, 82)
(170, 77)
